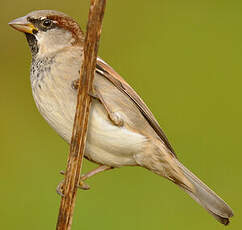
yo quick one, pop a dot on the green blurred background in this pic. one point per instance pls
(184, 59)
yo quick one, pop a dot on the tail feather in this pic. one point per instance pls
(206, 197)
(169, 167)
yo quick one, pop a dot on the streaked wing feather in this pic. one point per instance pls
(106, 71)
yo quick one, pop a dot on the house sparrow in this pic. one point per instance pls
(122, 131)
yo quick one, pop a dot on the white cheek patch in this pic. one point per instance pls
(53, 41)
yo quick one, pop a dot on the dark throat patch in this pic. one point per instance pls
(32, 41)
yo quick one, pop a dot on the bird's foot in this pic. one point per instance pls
(113, 116)
(116, 118)
(75, 84)
(82, 185)
(59, 188)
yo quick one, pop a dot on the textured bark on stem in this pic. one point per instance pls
(73, 170)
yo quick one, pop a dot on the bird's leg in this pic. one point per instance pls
(95, 171)
(82, 185)
(113, 116)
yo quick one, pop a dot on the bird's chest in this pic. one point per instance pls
(106, 143)
(54, 97)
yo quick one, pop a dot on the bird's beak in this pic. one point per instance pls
(22, 25)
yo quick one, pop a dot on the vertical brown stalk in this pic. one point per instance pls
(72, 175)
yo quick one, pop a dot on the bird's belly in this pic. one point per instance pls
(110, 144)
(106, 143)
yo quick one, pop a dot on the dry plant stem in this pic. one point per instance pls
(72, 175)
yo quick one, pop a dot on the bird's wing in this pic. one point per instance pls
(109, 73)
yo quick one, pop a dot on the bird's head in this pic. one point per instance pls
(49, 31)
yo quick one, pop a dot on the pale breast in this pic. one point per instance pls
(106, 143)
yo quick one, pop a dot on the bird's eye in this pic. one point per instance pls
(47, 23)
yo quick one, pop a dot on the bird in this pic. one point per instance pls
(122, 131)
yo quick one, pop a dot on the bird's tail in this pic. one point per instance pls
(207, 198)
(164, 164)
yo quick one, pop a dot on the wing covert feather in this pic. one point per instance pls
(106, 71)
